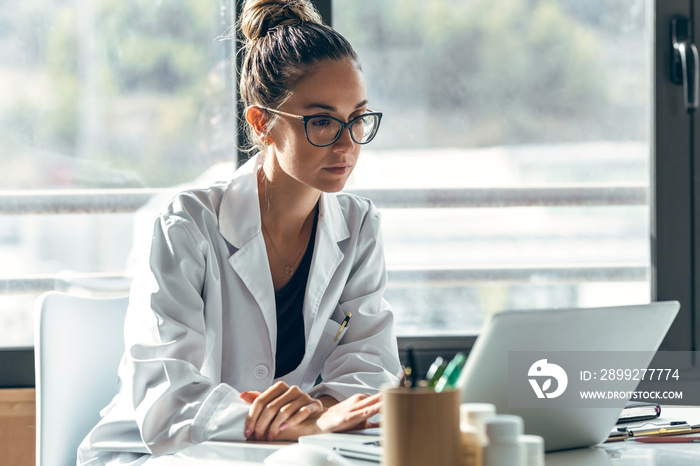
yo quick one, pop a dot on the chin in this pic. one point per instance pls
(336, 183)
(333, 187)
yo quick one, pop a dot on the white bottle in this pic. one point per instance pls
(504, 447)
(534, 449)
(476, 415)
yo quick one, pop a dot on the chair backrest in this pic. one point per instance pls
(79, 342)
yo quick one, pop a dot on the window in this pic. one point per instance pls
(110, 101)
(525, 127)
(512, 167)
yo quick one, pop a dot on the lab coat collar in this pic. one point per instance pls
(239, 214)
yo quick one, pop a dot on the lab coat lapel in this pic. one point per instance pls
(331, 230)
(239, 223)
(251, 265)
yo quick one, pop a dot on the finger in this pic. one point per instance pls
(359, 401)
(364, 425)
(258, 406)
(292, 415)
(284, 406)
(365, 401)
(291, 408)
(346, 415)
(356, 418)
(249, 397)
(272, 409)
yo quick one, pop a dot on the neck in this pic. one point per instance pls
(285, 204)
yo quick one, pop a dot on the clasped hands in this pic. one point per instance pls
(284, 412)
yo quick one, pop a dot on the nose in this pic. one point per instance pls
(344, 143)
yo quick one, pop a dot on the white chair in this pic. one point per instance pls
(78, 345)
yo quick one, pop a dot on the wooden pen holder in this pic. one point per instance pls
(420, 427)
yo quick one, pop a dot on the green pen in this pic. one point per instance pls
(435, 371)
(452, 371)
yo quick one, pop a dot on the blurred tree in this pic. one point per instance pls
(129, 77)
(481, 73)
(164, 46)
(61, 68)
(446, 72)
(158, 59)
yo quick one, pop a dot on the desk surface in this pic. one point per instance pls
(619, 453)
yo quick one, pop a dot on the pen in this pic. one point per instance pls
(343, 325)
(413, 374)
(406, 378)
(451, 374)
(666, 439)
(673, 427)
(618, 436)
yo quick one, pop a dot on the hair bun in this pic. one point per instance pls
(259, 16)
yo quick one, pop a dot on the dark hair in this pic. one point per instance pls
(284, 39)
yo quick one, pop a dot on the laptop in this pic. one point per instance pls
(634, 331)
(360, 444)
(595, 341)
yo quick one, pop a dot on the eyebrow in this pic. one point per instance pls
(330, 108)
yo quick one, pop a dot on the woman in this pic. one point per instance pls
(261, 313)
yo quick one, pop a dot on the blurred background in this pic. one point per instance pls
(511, 167)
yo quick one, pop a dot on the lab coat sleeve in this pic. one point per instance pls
(367, 355)
(174, 404)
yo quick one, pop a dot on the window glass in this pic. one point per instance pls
(111, 94)
(536, 114)
(527, 120)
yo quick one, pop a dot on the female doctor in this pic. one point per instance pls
(235, 328)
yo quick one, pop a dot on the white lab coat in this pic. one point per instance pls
(201, 325)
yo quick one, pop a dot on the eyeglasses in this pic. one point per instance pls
(323, 130)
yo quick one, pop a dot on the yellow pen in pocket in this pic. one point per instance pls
(345, 322)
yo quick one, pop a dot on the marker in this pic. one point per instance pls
(451, 374)
(435, 371)
(343, 325)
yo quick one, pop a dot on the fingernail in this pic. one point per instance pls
(248, 432)
(258, 436)
(269, 437)
(283, 426)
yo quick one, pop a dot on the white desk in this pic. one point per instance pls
(615, 454)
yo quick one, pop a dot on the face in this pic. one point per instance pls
(333, 88)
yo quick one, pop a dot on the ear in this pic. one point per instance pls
(257, 118)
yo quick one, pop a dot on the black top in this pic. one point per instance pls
(289, 300)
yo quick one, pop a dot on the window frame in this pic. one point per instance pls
(675, 228)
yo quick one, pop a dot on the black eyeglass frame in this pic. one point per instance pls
(343, 125)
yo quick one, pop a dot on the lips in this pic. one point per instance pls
(338, 169)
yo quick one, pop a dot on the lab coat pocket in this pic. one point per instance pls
(330, 338)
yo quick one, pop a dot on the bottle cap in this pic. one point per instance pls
(476, 415)
(504, 428)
